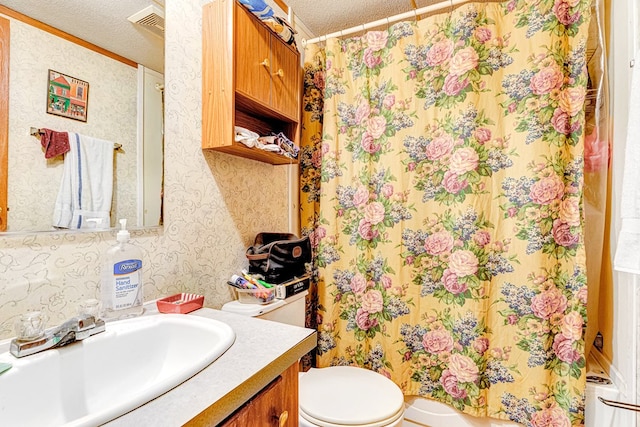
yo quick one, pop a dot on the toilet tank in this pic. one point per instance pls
(290, 310)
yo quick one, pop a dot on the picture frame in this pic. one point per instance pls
(67, 96)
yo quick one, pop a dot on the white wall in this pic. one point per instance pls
(623, 32)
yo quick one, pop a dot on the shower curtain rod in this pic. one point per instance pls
(389, 20)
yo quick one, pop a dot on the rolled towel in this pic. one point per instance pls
(246, 137)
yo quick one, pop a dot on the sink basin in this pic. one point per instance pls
(104, 376)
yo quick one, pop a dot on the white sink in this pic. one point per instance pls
(104, 376)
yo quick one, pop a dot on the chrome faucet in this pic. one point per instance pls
(75, 329)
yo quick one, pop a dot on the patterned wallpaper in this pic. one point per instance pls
(34, 180)
(215, 205)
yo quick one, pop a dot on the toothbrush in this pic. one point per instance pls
(255, 281)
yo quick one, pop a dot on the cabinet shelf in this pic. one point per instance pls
(251, 78)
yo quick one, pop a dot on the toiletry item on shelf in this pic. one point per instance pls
(121, 286)
(256, 295)
(279, 257)
(241, 283)
(256, 279)
(251, 292)
(292, 287)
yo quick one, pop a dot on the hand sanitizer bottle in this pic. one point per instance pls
(121, 287)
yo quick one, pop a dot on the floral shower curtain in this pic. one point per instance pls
(441, 186)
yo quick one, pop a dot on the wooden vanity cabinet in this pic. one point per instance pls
(275, 406)
(250, 78)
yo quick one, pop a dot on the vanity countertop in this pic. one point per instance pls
(262, 350)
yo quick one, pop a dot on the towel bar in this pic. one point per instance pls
(36, 132)
(621, 405)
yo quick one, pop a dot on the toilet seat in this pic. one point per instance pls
(349, 396)
(392, 422)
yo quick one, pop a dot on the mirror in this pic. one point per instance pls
(124, 106)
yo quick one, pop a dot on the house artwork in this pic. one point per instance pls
(67, 96)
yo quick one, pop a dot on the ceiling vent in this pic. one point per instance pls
(151, 18)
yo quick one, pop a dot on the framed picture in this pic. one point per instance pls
(67, 96)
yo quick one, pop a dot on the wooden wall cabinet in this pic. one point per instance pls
(250, 78)
(275, 406)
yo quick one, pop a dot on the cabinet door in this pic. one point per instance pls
(286, 79)
(253, 59)
(275, 406)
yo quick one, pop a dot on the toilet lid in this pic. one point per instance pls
(253, 310)
(347, 395)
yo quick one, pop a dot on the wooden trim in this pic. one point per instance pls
(4, 119)
(218, 84)
(66, 36)
(283, 6)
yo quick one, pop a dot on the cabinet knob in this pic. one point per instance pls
(279, 73)
(282, 420)
(265, 63)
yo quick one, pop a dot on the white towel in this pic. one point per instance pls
(84, 198)
(245, 136)
(627, 257)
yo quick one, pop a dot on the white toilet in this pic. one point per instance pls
(334, 396)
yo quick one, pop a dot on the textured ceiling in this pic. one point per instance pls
(104, 22)
(328, 16)
(101, 22)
